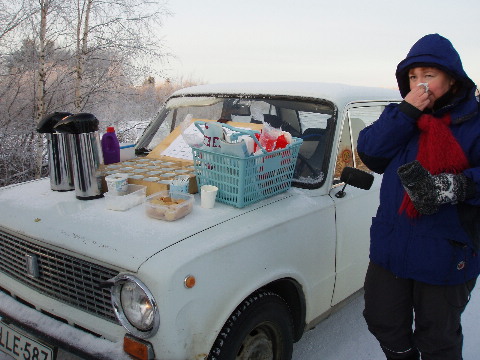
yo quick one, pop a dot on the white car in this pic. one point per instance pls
(223, 283)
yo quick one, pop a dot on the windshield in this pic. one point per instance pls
(313, 121)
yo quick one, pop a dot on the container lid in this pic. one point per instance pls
(46, 124)
(110, 129)
(78, 124)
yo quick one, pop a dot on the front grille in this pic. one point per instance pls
(61, 276)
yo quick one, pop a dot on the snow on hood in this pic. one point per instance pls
(121, 238)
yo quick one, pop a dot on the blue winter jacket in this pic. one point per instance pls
(441, 248)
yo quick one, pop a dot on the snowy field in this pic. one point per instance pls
(344, 335)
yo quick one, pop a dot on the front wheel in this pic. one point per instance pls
(260, 328)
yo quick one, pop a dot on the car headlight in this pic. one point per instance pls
(135, 306)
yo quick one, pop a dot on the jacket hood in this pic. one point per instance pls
(435, 51)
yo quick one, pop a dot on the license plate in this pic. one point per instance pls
(22, 347)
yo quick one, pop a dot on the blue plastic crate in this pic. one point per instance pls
(244, 181)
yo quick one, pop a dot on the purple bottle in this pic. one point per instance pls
(110, 147)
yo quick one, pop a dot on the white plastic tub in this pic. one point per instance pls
(134, 196)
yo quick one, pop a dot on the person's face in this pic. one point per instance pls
(439, 82)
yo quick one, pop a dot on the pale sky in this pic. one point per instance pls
(346, 41)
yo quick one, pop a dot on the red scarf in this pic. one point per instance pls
(438, 152)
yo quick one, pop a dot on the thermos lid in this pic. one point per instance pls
(110, 129)
(46, 124)
(81, 123)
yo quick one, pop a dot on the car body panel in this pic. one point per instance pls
(37, 212)
(311, 238)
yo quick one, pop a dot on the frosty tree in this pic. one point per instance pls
(80, 55)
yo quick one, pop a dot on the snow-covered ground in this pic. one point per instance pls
(344, 335)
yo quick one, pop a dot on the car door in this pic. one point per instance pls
(355, 210)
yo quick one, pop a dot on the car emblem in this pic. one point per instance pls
(31, 264)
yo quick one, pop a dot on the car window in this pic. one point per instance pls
(356, 119)
(312, 121)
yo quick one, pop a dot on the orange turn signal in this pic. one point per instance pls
(137, 348)
(189, 281)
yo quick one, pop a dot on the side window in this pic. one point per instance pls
(357, 118)
(344, 156)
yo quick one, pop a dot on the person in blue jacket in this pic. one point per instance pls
(425, 237)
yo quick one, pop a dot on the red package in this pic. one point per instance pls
(281, 142)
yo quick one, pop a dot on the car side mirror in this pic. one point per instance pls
(355, 177)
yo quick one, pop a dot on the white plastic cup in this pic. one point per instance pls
(208, 196)
(117, 183)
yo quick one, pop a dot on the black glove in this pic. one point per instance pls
(428, 191)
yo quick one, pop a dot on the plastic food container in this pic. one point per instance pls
(134, 196)
(169, 206)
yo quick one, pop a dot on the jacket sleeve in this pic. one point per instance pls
(379, 142)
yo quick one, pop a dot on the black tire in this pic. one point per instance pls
(260, 328)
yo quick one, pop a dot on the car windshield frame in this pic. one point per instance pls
(311, 119)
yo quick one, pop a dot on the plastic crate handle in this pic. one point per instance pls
(239, 131)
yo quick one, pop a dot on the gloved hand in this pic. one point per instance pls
(428, 191)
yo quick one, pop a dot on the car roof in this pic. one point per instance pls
(339, 94)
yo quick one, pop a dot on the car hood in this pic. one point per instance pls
(124, 239)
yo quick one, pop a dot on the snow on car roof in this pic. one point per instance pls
(340, 94)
